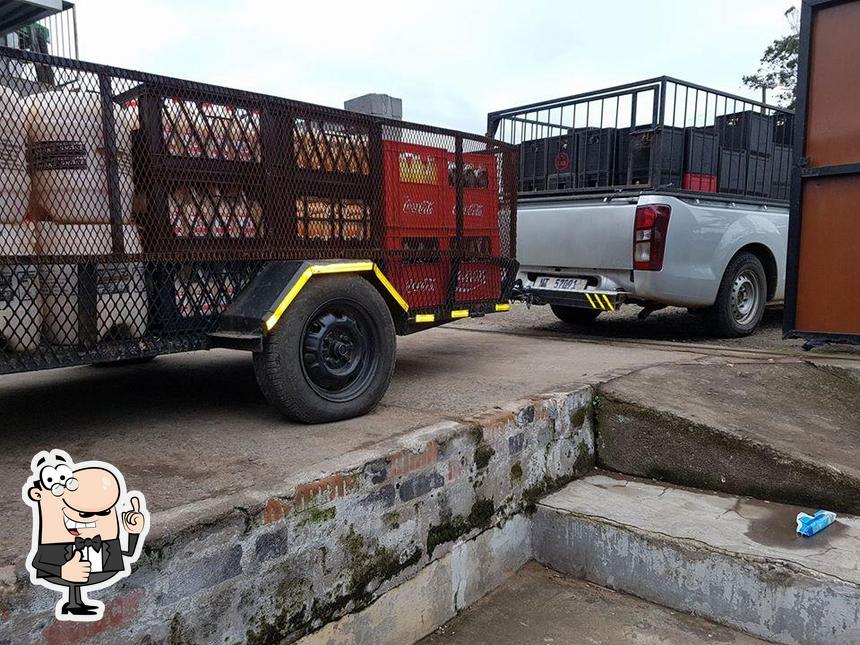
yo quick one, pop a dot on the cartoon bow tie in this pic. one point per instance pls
(82, 543)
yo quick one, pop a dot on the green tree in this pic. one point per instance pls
(778, 66)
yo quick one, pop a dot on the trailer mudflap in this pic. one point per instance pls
(259, 307)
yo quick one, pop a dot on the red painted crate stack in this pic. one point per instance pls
(420, 215)
(477, 279)
(418, 224)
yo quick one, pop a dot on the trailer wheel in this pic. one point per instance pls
(741, 298)
(332, 354)
(575, 315)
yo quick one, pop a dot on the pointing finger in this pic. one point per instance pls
(135, 504)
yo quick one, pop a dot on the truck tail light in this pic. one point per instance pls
(649, 236)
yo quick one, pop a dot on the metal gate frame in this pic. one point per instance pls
(800, 172)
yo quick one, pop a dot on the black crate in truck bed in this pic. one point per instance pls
(668, 137)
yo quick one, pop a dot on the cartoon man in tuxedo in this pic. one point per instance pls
(76, 530)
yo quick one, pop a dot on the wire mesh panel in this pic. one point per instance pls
(658, 134)
(135, 208)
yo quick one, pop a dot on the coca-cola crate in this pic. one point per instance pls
(480, 191)
(420, 269)
(700, 182)
(478, 281)
(415, 239)
(214, 211)
(479, 243)
(332, 219)
(479, 278)
(415, 188)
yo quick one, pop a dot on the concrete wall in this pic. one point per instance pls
(767, 597)
(445, 503)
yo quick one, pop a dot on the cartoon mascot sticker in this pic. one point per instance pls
(78, 510)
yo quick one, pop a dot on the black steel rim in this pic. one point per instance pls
(339, 350)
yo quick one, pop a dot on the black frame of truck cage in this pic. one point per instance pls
(673, 108)
(278, 178)
(800, 172)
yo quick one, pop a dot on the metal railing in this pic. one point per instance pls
(55, 35)
(660, 133)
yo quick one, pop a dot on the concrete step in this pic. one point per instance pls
(767, 430)
(730, 559)
(539, 606)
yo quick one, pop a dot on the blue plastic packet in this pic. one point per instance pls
(809, 525)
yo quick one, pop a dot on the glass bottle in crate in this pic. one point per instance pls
(177, 212)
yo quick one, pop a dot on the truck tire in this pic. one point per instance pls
(575, 315)
(741, 299)
(332, 354)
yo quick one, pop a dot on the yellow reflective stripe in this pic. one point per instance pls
(342, 267)
(335, 267)
(425, 318)
(460, 313)
(503, 307)
(291, 295)
(608, 303)
(590, 301)
(390, 288)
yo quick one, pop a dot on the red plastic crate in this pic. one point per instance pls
(419, 268)
(480, 193)
(423, 283)
(415, 181)
(479, 244)
(411, 239)
(699, 182)
(478, 281)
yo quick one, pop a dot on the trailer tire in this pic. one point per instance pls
(332, 354)
(575, 315)
(741, 298)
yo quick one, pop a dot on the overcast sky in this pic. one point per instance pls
(451, 61)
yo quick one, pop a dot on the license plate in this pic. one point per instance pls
(561, 284)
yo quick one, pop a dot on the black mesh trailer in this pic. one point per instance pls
(142, 215)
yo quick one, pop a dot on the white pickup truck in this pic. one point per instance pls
(583, 257)
(659, 193)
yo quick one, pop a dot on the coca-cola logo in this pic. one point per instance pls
(562, 161)
(471, 281)
(424, 207)
(426, 285)
(474, 210)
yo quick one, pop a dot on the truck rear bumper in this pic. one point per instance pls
(603, 293)
(588, 299)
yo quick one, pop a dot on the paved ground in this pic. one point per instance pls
(538, 606)
(194, 434)
(797, 409)
(671, 324)
(773, 430)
